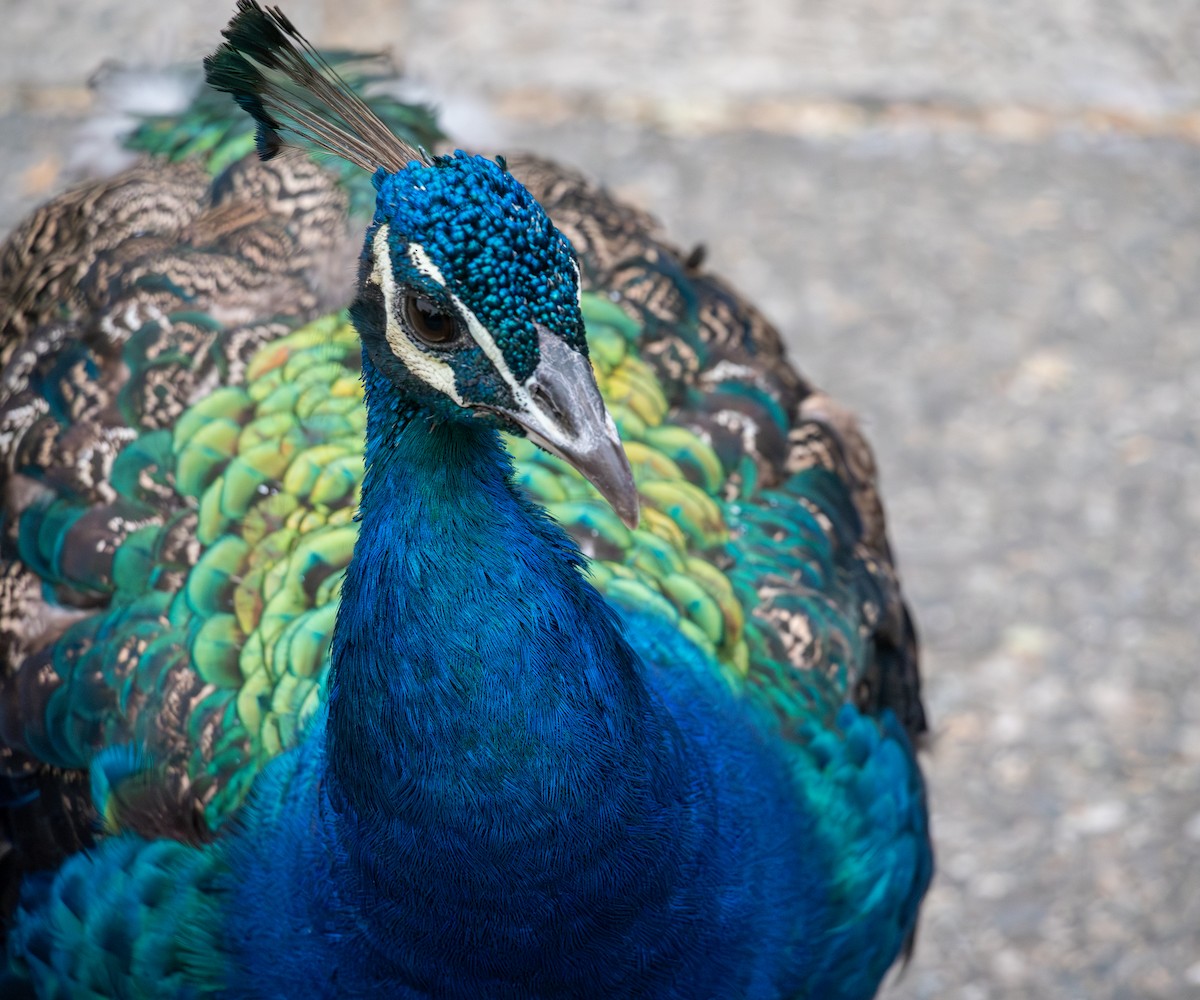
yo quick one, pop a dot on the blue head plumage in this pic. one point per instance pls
(468, 309)
(492, 245)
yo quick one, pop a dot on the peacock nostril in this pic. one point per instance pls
(545, 401)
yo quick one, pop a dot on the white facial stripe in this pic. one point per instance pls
(427, 368)
(479, 333)
(487, 343)
(421, 261)
(437, 373)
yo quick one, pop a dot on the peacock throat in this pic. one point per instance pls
(489, 731)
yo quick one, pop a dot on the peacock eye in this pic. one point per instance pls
(432, 324)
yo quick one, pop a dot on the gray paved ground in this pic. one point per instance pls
(979, 224)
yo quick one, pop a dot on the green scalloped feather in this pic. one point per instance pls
(273, 468)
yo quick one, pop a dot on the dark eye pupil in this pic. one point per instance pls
(428, 322)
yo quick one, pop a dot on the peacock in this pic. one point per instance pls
(511, 620)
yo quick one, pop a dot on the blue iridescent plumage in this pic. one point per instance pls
(468, 732)
(486, 234)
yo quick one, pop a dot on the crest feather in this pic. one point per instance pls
(295, 97)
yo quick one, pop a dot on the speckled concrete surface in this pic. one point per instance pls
(980, 226)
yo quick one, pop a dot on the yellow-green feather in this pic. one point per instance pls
(275, 468)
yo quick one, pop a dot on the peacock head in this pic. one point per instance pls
(469, 303)
(468, 296)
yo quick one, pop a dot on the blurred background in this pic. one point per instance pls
(978, 224)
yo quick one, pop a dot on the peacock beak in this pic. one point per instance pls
(565, 415)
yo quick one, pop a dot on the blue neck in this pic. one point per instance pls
(489, 731)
